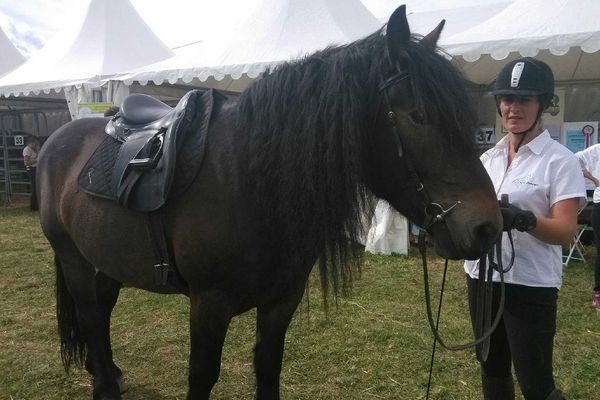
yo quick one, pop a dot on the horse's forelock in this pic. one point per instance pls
(440, 93)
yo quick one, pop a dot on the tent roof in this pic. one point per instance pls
(276, 31)
(457, 19)
(564, 33)
(111, 38)
(11, 57)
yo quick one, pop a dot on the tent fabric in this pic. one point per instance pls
(457, 19)
(119, 46)
(10, 57)
(563, 33)
(275, 32)
(111, 38)
(389, 231)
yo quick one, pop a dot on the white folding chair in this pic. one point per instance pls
(576, 248)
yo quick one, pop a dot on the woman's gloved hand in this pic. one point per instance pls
(515, 218)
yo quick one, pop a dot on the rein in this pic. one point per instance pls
(435, 213)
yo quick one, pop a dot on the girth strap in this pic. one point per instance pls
(156, 232)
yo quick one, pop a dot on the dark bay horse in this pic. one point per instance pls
(290, 168)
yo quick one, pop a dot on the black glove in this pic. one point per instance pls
(515, 218)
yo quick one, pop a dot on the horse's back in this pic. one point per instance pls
(70, 145)
(61, 159)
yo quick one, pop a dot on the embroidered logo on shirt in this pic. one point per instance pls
(525, 180)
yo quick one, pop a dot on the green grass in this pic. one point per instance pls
(374, 345)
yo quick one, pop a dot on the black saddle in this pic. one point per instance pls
(136, 164)
(141, 109)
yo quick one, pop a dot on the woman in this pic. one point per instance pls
(545, 187)
(590, 163)
(30, 154)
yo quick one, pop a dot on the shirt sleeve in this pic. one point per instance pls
(568, 181)
(582, 159)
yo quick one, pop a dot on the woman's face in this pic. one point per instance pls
(518, 113)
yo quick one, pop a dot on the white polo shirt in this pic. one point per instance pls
(590, 160)
(542, 173)
(28, 151)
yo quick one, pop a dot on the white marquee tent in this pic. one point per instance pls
(458, 19)
(563, 33)
(277, 31)
(481, 39)
(111, 38)
(10, 57)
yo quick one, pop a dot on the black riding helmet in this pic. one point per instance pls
(526, 77)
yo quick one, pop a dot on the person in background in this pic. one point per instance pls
(590, 166)
(546, 189)
(30, 154)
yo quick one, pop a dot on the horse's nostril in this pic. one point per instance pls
(486, 234)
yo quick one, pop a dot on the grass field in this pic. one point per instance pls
(374, 345)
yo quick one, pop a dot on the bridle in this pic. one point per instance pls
(436, 213)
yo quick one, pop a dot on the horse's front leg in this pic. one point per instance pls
(272, 322)
(209, 320)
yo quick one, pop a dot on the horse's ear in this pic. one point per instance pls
(398, 32)
(432, 37)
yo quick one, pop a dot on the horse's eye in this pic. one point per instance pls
(416, 117)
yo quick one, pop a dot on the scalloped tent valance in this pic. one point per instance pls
(275, 32)
(564, 33)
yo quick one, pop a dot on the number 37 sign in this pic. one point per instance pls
(485, 135)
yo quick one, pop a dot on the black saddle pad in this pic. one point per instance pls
(95, 178)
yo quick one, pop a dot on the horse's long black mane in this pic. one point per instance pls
(305, 128)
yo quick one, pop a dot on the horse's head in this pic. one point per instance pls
(425, 161)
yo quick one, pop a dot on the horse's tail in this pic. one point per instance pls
(72, 345)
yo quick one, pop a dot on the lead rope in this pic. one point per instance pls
(437, 323)
(484, 320)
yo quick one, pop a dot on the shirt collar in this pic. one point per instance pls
(536, 145)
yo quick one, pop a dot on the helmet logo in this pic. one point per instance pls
(516, 74)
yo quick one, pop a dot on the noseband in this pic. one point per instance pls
(434, 212)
